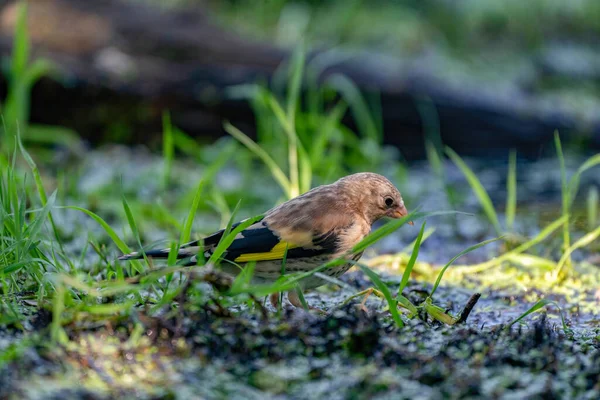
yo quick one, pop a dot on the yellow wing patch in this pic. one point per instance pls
(276, 253)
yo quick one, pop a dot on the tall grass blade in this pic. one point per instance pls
(566, 201)
(573, 187)
(110, 231)
(592, 208)
(300, 295)
(511, 190)
(57, 332)
(544, 233)
(478, 189)
(288, 126)
(168, 147)
(207, 178)
(412, 260)
(276, 171)
(133, 227)
(358, 105)
(295, 82)
(326, 130)
(582, 242)
(382, 287)
(39, 186)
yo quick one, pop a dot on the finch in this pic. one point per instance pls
(320, 225)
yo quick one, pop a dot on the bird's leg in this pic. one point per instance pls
(366, 293)
(274, 299)
(295, 299)
(296, 302)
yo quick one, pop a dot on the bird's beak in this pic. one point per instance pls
(402, 212)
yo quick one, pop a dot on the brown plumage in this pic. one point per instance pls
(321, 225)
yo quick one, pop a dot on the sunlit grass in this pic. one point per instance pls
(316, 146)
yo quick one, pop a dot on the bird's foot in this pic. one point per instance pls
(294, 298)
(366, 293)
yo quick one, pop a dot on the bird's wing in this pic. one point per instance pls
(262, 242)
(274, 235)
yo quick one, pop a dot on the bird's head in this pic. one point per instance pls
(377, 196)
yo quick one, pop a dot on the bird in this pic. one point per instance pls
(309, 230)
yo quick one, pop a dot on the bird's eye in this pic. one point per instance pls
(389, 201)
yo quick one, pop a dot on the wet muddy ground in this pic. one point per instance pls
(200, 350)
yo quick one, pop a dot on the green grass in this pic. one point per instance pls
(317, 143)
(569, 187)
(26, 249)
(478, 190)
(23, 74)
(593, 202)
(317, 147)
(538, 306)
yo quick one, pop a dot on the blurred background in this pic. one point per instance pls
(480, 76)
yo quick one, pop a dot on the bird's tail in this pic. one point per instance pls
(186, 251)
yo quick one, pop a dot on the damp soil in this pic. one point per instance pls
(237, 351)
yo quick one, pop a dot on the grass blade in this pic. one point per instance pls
(391, 226)
(592, 208)
(244, 278)
(168, 147)
(411, 261)
(295, 82)
(575, 179)
(110, 231)
(462, 253)
(511, 190)
(382, 287)
(39, 186)
(208, 177)
(226, 241)
(566, 201)
(539, 305)
(360, 110)
(478, 189)
(584, 241)
(134, 229)
(298, 291)
(547, 231)
(276, 171)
